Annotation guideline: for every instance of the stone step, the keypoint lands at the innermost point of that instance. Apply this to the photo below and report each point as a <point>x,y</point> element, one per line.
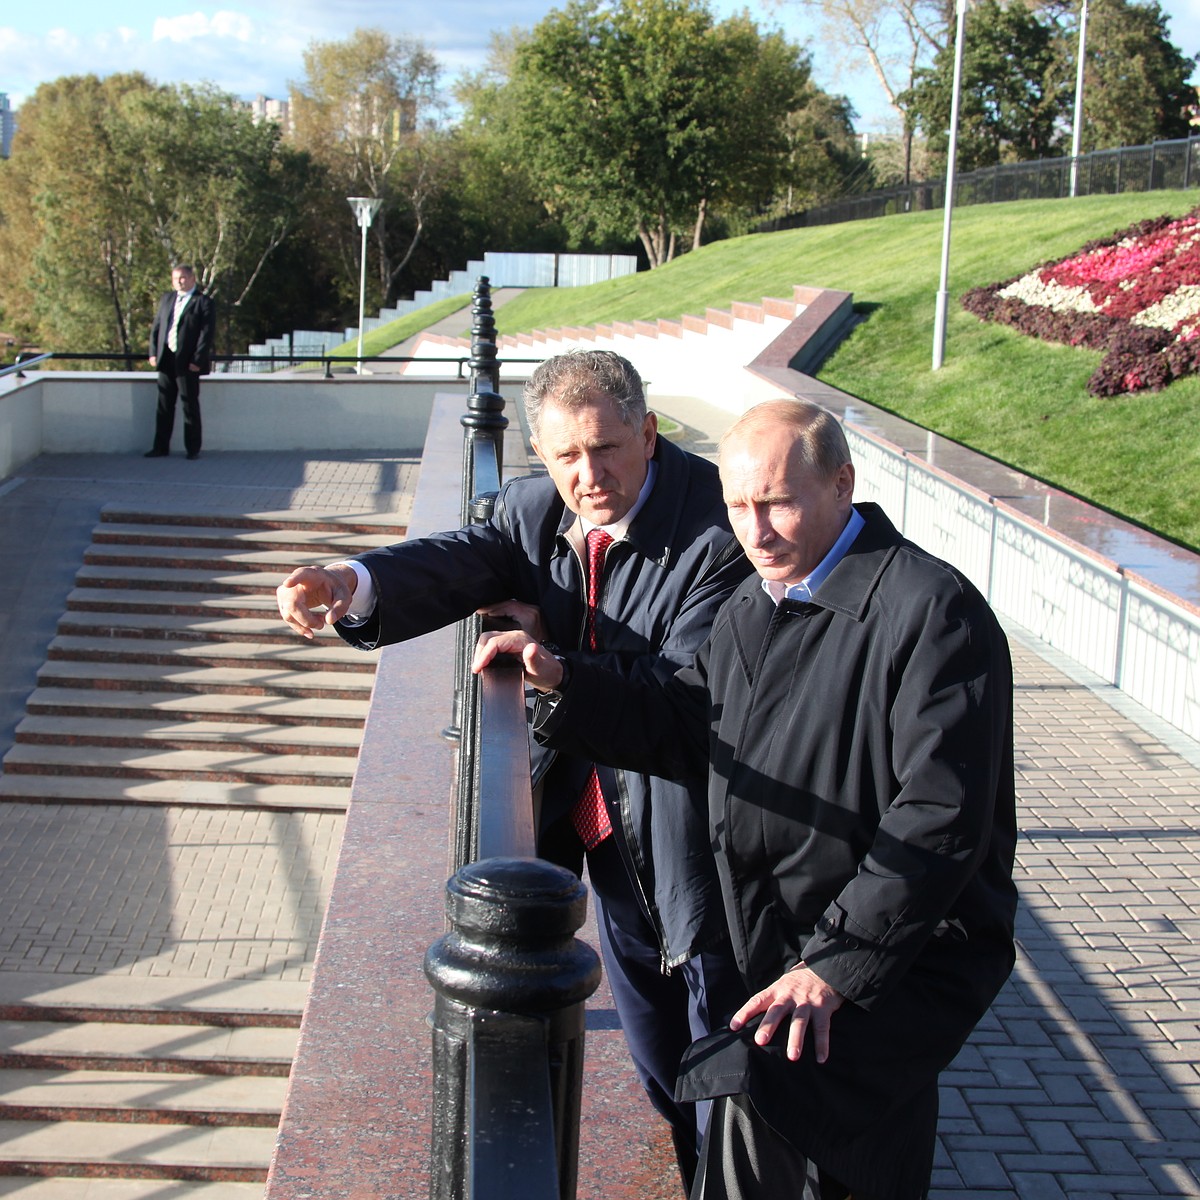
<point>101,1148</point>
<point>160,600</point>
<point>128,1046</point>
<point>179,676</point>
<point>285,520</point>
<point>152,1000</point>
<point>301,541</point>
<point>64,1187</point>
<point>297,655</point>
<point>187,735</point>
<point>261,583</point>
<point>191,558</point>
<point>148,705</point>
<point>18,787</point>
<point>215,766</point>
<point>268,627</point>
<point>51,1094</point>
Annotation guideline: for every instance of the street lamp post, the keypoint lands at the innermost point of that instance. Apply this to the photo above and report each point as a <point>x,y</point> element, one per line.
<point>365,208</point>
<point>1077,126</point>
<point>943,296</point>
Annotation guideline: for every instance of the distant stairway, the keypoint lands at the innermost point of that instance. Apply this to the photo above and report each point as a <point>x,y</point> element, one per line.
<point>172,679</point>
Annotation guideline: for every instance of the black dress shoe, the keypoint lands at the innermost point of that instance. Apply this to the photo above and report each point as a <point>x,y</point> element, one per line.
<point>155,454</point>
<point>195,454</point>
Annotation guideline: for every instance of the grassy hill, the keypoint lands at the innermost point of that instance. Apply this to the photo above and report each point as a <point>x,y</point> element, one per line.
<point>1020,400</point>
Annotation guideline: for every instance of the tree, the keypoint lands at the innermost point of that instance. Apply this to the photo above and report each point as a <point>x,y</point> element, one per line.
<point>1135,88</point>
<point>895,39</point>
<point>1010,106</point>
<point>112,180</point>
<point>76,268</point>
<point>368,110</point>
<point>635,118</point>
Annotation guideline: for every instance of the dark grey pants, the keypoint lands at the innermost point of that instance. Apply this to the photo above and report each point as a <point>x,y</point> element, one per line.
<point>743,1158</point>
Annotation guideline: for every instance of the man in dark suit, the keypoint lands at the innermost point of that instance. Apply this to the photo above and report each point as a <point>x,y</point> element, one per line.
<point>181,346</point>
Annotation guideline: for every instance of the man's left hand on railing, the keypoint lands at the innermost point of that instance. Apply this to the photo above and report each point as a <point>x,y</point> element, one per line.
<point>542,670</point>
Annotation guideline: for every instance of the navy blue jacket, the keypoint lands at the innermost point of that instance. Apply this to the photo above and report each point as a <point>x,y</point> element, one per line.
<point>663,585</point>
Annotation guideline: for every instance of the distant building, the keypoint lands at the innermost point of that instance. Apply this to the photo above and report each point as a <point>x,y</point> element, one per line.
<point>264,108</point>
<point>8,125</point>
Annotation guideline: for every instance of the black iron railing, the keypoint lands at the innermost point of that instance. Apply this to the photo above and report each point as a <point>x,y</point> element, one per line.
<point>510,977</point>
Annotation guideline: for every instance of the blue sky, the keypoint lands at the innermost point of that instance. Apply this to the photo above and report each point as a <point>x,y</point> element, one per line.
<point>254,46</point>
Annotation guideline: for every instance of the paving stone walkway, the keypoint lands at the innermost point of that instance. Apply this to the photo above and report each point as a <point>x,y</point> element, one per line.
<point>1083,1081</point>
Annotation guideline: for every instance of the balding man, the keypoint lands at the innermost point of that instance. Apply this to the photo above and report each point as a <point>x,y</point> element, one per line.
<point>854,706</point>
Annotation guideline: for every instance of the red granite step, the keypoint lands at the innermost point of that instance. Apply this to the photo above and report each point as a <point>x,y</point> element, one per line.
<point>324,654</point>
<point>187,677</point>
<point>169,706</point>
<point>188,734</point>
<point>162,600</point>
<point>208,558</point>
<point>217,766</point>
<point>300,541</point>
<point>268,627</point>
<point>147,1097</point>
<point>262,583</point>
<point>70,788</point>
<point>285,520</point>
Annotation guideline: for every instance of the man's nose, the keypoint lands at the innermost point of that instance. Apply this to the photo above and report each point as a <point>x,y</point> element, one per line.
<point>591,470</point>
<point>759,529</point>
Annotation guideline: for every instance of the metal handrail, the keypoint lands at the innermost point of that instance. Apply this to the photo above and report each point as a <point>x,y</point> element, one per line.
<point>463,362</point>
<point>510,978</point>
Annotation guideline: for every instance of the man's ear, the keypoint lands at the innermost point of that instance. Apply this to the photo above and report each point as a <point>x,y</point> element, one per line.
<point>844,484</point>
<point>650,433</point>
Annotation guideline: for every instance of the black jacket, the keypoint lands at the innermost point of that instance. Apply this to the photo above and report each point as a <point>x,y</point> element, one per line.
<point>663,585</point>
<point>196,335</point>
<point>862,805</point>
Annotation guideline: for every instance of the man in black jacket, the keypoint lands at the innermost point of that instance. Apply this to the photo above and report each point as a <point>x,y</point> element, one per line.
<point>853,706</point>
<point>181,347</point>
<point>669,564</point>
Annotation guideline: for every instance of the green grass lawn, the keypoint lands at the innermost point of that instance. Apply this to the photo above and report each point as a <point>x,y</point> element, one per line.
<point>1020,400</point>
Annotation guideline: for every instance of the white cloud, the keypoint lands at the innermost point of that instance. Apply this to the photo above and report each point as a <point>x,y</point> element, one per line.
<point>192,26</point>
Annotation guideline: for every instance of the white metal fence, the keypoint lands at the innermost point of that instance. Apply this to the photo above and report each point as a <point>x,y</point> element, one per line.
<point>1120,627</point>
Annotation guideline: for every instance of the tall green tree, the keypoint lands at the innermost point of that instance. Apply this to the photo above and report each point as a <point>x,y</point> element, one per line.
<point>1012,98</point>
<point>637,118</point>
<point>368,110</point>
<point>1136,86</point>
<point>110,181</point>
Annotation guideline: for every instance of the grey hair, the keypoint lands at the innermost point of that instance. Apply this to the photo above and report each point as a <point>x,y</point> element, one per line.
<point>573,379</point>
<point>820,437</point>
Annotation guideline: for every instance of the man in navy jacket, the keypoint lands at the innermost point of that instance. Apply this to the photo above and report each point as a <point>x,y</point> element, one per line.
<point>671,564</point>
<point>181,348</point>
<point>853,707</point>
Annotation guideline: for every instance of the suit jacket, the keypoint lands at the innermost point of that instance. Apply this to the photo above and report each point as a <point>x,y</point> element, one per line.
<point>197,331</point>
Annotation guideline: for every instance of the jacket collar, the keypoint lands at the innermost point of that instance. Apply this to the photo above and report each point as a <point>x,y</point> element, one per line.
<point>849,586</point>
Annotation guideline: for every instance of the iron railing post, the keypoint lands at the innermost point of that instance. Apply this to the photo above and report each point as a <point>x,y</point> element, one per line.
<point>509,971</point>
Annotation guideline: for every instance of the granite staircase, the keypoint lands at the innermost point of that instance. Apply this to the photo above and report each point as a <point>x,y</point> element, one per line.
<point>177,1096</point>
<point>172,681</point>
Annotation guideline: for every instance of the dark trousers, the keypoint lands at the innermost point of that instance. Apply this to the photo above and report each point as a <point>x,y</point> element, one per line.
<point>661,1013</point>
<point>745,1159</point>
<point>185,384</point>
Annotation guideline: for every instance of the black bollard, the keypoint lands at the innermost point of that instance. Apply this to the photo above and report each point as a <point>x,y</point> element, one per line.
<point>510,980</point>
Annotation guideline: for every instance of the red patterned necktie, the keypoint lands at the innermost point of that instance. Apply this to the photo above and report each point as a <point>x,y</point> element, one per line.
<point>590,815</point>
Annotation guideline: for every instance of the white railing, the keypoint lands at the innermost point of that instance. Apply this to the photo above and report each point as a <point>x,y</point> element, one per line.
<point>1122,628</point>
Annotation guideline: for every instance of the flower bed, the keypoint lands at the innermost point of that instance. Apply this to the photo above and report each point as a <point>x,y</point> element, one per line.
<point>1135,295</point>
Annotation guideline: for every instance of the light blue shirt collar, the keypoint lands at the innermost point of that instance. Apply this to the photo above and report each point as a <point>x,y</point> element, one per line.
<point>807,587</point>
